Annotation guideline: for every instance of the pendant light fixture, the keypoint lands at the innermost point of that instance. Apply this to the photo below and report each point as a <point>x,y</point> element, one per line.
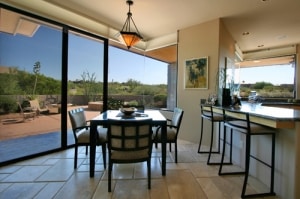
<point>129,36</point>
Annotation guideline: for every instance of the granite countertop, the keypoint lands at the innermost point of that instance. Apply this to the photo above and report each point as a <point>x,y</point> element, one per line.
<point>281,103</point>
<point>274,113</point>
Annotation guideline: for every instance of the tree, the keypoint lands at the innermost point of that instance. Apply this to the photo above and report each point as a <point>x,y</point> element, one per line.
<point>89,85</point>
<point>36,70</point>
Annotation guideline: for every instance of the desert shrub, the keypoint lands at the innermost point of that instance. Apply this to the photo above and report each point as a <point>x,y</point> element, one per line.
<point>114,104</point>
<point>8,105</point>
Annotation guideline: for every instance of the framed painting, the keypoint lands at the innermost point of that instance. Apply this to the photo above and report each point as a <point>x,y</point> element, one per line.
<point>196,73</point>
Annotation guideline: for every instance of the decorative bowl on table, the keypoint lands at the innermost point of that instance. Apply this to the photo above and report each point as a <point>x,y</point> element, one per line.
<point>128,111</point>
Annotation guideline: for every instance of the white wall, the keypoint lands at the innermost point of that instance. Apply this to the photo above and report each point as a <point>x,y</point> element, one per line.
<point>212,40</point>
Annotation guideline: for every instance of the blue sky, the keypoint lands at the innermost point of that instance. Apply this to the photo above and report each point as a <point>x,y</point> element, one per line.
<point>84,56</point>
<point>279,74</point>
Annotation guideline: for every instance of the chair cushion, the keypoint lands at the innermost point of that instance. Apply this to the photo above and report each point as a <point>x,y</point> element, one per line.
<point>171,134</point>
<point>102,134</point>
<point>83,136</point>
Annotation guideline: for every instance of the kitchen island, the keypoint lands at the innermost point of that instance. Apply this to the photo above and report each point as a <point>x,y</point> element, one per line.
<point>287,150</point>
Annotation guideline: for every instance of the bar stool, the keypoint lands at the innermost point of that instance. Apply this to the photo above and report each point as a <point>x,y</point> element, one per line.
<point>241,122</point>
<point>207,113</point>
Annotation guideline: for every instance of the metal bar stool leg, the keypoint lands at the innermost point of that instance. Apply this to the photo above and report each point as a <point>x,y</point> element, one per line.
<point>223,152</point>
<point>272,167</point>
<point>272,164</point>
<point>247,164</point>
<point>230,155</point>
<point>211,143</point>
<point>201,135</point>
<point>212,132</point>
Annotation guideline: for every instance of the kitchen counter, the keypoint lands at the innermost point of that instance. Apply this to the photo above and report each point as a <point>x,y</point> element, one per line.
<point>287,152</point>
<point>290,105</point>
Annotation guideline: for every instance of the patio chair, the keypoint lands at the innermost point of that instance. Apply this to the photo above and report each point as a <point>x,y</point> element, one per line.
<point>81,131</point>
<point>129,141</point>
<point>25,114</point>
<point>35,105</point>
<point>173,127</point>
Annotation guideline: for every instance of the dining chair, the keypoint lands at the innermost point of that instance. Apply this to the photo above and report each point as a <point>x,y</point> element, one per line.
<point>173,127</point>
<point>129,141</point>
<point>81,132</point>
<point>241,122</point>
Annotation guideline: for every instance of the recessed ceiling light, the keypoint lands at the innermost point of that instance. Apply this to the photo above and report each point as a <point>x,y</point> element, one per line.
<point>245,33</point>
<point>259,46</point>
<point>281,37</point>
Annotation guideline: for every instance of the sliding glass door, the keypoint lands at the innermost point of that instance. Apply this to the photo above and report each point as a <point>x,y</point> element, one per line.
<point>85,75</point>
<point>45,70</point>
<point>30,86</point>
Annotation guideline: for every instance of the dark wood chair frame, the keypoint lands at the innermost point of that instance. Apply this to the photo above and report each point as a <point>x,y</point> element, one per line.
<point>174,123</point>
<point>123,138</point>
<point>79,126</point>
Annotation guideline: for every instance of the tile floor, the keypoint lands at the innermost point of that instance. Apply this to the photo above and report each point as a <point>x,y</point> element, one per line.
<point>53,176</point>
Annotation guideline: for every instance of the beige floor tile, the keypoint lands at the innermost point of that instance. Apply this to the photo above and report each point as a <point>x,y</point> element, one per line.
<point>26,174</point>
<point>79,186</point>
<point>61,171</point>
<point>22,190</point>
<point>182,184</point>
<point>53,176</point>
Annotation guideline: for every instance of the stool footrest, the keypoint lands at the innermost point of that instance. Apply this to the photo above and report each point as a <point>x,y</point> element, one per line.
<point>232,173</point>
<point>259,195</point>
<point>209,152</point>
<point>218,163</point>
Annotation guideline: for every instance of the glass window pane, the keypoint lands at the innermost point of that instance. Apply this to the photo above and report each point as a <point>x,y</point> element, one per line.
<point>30,87</point>
<point>136,80</point>
<point>270,82</point>
<point>85,75</point>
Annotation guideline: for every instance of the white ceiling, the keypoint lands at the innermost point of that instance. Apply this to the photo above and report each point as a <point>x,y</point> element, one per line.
<point>271,23</point>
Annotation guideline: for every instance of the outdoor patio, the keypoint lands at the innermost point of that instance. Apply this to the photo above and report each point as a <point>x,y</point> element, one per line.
<point>39,125</point>
<point>34,135</point>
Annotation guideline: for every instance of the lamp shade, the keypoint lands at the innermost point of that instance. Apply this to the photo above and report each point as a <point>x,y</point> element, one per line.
<point>130,38</point>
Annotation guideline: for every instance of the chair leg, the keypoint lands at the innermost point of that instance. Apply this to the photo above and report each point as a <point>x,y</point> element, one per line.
<point>211,143</point>
<point>170,147</point>
<point>219,147</point>
<point>223,152</point>
<point>110,166</point>
<point>271,166</point>
<point>176,152</point>
<point>75,156</point>
<point>247,164</point>
<point>230,156</point>
<point>149,172</point>
<point>104,155</point>
<point>201,135</point>
<point>86,149</point>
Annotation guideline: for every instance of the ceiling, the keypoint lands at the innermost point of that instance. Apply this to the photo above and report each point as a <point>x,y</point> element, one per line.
<point>270,23</point>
